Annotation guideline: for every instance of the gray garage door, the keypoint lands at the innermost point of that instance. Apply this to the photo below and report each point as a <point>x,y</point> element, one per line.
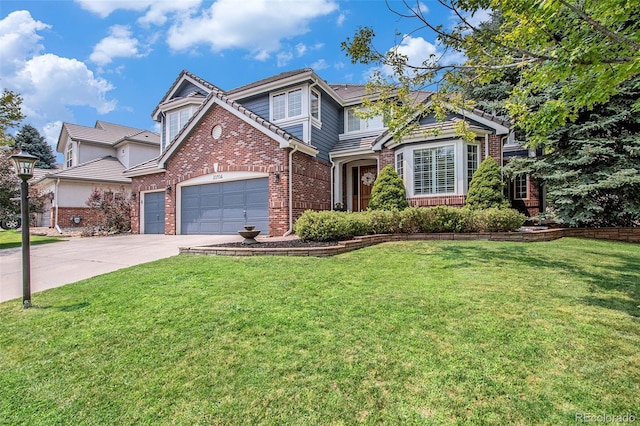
<point>224,208</point>
<point>154,213</point>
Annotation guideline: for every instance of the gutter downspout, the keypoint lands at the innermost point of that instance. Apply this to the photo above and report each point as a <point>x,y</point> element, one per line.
<point>56,200</point>
<point>295,148</point>
<point>486,145</point>
<point>333,168</point>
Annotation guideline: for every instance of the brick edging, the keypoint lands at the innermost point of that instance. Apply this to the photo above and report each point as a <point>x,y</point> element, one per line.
<point>617,234</point>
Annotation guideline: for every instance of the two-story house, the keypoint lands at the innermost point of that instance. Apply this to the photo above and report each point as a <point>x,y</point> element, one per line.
<point>94,158</point>
<point>263,153</point>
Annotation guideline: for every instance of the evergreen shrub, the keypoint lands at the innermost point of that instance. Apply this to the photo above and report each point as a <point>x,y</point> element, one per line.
<point>486,187</point>
<point>388,192</point>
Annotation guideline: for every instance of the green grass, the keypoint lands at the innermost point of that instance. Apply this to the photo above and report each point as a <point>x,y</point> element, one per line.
<point>13,238</point>
<point>399,333</point>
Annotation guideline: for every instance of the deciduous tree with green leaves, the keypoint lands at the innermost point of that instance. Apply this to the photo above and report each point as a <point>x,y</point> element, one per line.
<point>10,114</point>
<point>588,49</point>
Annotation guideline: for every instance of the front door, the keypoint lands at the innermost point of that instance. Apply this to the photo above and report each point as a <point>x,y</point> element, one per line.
<point>367,177</point>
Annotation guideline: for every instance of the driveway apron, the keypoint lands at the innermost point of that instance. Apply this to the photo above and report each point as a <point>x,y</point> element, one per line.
<point>57,264</point>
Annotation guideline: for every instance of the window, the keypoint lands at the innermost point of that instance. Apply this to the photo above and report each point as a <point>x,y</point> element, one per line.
<point>356,124</point>
<point>176,121</point>
<point>434,170</point>
<point>520,187</point>
<point>400,164</point>
<point>69,155</point>
<point>286,105</point>
<point>472,162</point>
<point>315,104</point>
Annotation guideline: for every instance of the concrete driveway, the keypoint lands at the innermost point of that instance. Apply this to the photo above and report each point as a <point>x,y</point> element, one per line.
<point>57,264</point>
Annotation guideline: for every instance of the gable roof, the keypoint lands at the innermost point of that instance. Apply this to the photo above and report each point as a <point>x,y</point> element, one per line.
<point>105,133</point>
<point>105,169</point>
<point>183,78</point>
<point>216,97</point>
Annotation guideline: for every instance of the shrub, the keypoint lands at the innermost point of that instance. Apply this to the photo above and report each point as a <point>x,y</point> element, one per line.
<point>412,220</point>
<point>503,220</point>
<point>329,225</point>
<point>382,221</point>
<point>388,192</point>
<point>112,213</point>
<point>485,189</point>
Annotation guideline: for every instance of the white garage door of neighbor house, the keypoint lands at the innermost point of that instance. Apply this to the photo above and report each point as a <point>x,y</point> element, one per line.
<point>154,213</point>
<point>224,208</point>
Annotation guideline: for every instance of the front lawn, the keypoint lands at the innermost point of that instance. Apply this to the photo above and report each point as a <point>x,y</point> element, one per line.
<point>437,332</point>
<point>13,238</point>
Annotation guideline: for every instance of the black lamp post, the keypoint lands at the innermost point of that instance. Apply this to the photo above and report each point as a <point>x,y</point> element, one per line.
<point>24,164</point>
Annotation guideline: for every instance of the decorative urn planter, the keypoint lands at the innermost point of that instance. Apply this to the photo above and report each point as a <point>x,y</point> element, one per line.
<point>249,234</point>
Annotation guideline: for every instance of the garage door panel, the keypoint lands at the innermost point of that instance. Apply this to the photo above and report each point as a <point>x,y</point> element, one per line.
<point>224,208</point>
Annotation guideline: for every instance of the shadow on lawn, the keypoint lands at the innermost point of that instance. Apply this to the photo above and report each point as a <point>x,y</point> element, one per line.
<point>621,273</point>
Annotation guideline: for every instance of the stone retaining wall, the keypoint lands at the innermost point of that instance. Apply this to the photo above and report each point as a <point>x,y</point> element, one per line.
<point>617,234</point>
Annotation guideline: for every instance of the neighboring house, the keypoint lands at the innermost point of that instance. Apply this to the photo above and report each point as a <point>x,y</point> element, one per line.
<point>263,153</point>
<point>94,158</point>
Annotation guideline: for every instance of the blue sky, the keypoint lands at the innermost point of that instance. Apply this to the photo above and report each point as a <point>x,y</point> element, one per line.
<point>79,61</point>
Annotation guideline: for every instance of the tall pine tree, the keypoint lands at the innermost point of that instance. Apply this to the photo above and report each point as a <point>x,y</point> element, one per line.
<point>592,168</point>
<point>29,139</point>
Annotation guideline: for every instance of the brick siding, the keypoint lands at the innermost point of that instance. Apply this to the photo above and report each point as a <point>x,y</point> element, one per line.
<point>244,148</point>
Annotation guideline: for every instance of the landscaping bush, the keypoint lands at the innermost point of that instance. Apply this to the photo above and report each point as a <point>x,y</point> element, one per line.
<point>388,192</point>
<point>329,225</point>
<point>502,220</point>
<point>382,221</point>
<point>485,189</point>
<point>412,220</point>
<point>111,213</point>
<point>337,225</point>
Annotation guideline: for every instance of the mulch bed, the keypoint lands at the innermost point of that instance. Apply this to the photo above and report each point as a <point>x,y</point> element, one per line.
<point>293,243</point>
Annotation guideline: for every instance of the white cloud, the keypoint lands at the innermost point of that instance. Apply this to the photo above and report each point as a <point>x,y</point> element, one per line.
<point>301,49</point>
<point>51,132</point>
<point>320,64</point>
<point>119,43</point>
<point>480,16</point>
<point>19,40</point>
<point>416,49</point>
<point>341,19</point>
<point>284,58</point>
<point>157,11</point>
<point>49,84</point>
<point>104,8</point>
<point>255,25</point>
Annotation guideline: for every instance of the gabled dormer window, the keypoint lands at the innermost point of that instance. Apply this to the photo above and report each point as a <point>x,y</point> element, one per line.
<point>68,155</point>
<point>357,124</point>
<point>286,105</point>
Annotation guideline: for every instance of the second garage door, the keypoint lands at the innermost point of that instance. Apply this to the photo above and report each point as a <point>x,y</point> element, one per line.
<point>224,208</point>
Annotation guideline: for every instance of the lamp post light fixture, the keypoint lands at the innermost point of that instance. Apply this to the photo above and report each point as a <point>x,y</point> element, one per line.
<point>24,164</point>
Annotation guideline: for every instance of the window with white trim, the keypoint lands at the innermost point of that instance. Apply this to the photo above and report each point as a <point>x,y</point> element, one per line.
<point>357,124</point>
<point>400,164</point>
<point>176,121</point>
<point>520,187</point>
<point>314,106</point>
<point>68,156</point>
<point>286,105</point>
<point>472,162</point>
<point>434,170</point>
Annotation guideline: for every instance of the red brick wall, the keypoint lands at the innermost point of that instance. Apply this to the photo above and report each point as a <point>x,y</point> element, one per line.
<point>241,148</point>
<point>445,200</point>
<point>387,157</point>
<point>65,215</point>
